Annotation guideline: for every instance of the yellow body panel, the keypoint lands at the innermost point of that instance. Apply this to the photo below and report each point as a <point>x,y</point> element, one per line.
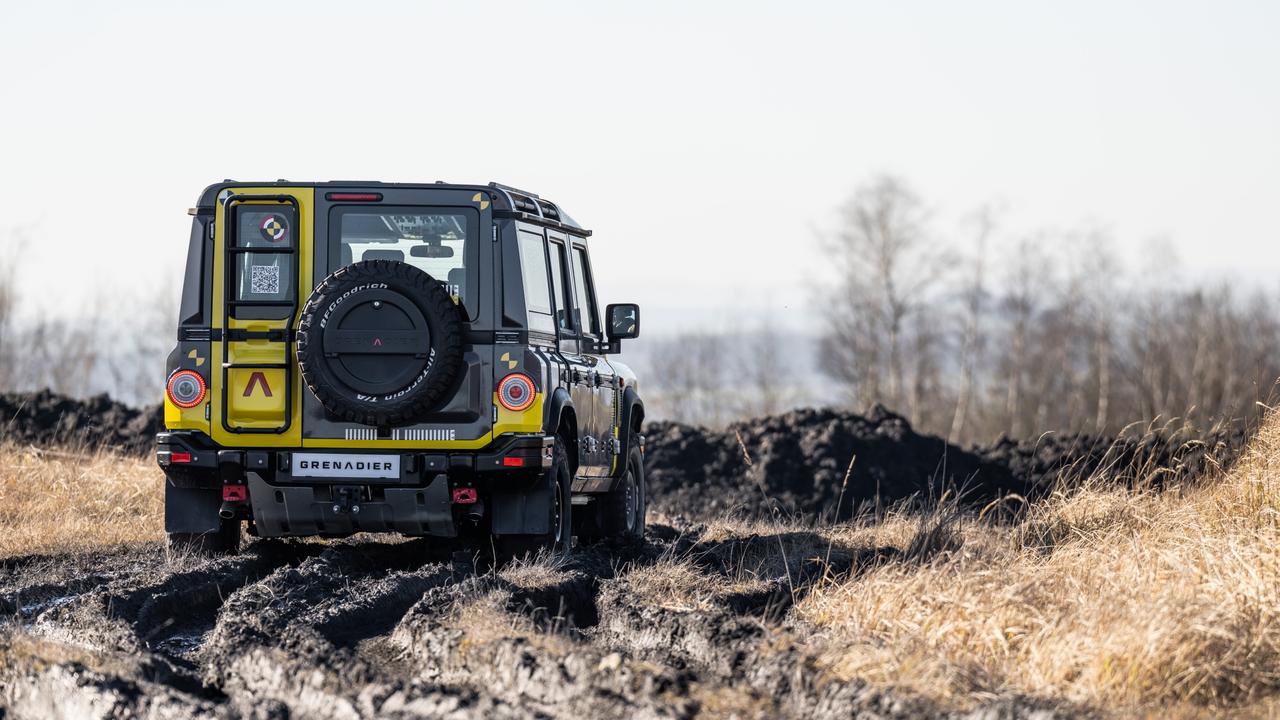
<point>528,420</point>
<point>176,418</point>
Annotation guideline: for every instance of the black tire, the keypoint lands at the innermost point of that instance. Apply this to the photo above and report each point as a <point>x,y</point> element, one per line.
<point>223,541</point>
<point>559,542</point>
<point>400,310</point>
<point>620,514</point>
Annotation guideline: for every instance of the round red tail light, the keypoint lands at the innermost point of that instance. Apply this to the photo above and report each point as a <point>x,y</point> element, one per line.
<point>516,392</point>
<point>186,388</point>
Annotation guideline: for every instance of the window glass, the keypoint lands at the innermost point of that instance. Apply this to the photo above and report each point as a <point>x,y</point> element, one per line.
<point>533,265</point>
<point>563,318</point>
<point>586,295</point>
<point>261,276</point>
<point>434,242</point>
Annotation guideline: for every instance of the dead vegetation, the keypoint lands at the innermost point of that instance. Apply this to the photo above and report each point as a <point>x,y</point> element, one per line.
<point>1110,598</point>
<point>1099,600</point>
<point>57,501</point>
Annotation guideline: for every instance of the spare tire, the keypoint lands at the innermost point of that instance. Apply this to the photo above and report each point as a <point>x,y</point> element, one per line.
<point>380,343</point>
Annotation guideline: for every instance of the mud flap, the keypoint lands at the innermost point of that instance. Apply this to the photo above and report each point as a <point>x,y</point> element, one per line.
<point>191,510</point>
<point>523,512</point>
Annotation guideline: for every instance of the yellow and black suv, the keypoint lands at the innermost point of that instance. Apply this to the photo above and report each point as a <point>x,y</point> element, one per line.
<point>421,359</point>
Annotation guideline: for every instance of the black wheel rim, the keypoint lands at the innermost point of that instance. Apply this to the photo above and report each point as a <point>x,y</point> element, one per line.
<point>557,517</point>
<point>631,500</point>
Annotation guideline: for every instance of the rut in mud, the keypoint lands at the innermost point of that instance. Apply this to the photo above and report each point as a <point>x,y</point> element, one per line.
<point>362,628</point>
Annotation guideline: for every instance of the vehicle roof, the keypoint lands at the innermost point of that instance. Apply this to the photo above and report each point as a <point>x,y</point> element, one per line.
<point>506,199</point>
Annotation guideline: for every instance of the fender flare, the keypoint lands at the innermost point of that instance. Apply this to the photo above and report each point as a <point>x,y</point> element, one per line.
<point>561,404</point>
<point>632,415</point>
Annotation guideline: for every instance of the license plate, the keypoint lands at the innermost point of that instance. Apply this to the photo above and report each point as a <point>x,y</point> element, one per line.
<point>333,465</point>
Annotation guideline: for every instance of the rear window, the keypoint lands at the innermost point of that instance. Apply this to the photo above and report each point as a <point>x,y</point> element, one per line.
<point>434,241</point>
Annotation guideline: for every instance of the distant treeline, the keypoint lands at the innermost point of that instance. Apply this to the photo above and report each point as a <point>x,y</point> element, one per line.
<point>972,334</point>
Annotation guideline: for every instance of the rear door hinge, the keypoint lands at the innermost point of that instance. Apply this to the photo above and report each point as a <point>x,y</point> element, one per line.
<point>494,228</point>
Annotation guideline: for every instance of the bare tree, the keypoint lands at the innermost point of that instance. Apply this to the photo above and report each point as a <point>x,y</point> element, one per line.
<point>972,296</point>
<point>768,380</point>
<point>888,265</point>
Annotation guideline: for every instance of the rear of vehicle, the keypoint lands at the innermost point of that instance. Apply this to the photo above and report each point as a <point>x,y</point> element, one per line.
<point>347,361</point>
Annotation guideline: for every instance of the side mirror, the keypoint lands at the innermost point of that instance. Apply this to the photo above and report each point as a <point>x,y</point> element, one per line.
<point>623,321</point>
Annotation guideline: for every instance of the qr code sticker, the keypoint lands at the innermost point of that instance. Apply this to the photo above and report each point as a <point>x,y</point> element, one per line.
<point>264,279</point>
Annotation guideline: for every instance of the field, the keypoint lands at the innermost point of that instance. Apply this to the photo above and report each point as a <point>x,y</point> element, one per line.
<point>1103,601</point>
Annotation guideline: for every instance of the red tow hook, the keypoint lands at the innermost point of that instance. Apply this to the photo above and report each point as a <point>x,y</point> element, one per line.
<point>464,496</point>
<point>232,497</point>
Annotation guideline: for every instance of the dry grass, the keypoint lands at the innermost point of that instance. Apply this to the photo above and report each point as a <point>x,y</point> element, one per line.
<point>1128,601</point>
<point>69,501</point>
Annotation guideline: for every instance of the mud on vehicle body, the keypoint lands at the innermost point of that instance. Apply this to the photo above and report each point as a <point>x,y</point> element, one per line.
<point>421,359</point>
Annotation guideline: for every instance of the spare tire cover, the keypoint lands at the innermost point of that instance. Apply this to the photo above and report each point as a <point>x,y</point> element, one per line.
<point>380,343</point>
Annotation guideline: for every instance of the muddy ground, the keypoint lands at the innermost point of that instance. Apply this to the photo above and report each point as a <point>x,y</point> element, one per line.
<point>364,628</point>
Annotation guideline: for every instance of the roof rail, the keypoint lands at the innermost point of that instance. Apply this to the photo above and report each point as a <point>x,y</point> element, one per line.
<point>515,190</point>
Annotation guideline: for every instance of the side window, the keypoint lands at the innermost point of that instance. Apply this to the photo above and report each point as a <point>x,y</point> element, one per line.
<point>537,290</point>
<point>564,319</point>
<point>586,305</point>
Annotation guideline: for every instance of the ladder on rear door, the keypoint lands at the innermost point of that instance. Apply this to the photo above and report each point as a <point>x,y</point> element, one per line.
<point>230,301</point>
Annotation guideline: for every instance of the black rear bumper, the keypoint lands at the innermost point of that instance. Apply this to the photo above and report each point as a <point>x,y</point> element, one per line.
<point>417,502</point>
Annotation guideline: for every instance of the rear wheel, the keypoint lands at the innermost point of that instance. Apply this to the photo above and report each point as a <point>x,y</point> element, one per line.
<point>559,539</point>
<point>223,541</point>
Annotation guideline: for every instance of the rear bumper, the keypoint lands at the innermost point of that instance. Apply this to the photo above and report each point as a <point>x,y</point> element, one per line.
<point>417,502</point>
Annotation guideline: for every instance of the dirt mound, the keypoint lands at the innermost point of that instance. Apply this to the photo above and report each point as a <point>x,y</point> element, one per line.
<point>46,418</point>
<point>1155,458</point>
<point>796,463</point>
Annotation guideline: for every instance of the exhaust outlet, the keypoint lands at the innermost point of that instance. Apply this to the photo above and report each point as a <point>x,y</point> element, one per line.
<point>227,511</point>
<point>475,513</point>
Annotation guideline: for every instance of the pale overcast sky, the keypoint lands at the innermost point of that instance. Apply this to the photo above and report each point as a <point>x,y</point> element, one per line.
<point>703,142</point>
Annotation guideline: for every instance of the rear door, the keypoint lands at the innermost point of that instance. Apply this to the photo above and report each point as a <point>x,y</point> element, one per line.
<point>448,234</point>
<point>581,366</point>
<point>261,260</point>
<point>601,378</point>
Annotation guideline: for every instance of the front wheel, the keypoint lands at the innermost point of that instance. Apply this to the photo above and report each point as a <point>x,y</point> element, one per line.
<point>620,514</point>
<point>558,541</point>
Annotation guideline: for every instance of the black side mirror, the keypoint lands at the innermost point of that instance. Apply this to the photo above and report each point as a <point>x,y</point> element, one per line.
<point>623,321</point>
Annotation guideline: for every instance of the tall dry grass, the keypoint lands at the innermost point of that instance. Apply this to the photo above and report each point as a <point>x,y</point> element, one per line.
<point>73,500</point>
<point>1110,598</point>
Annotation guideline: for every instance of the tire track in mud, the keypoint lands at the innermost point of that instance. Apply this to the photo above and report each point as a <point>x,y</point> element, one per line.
<point>360,629</point>
<point>289,638</point>
<point>95,645</point>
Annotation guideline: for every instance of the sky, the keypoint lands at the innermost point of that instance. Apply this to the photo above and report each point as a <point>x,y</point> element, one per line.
<point>708,145</point>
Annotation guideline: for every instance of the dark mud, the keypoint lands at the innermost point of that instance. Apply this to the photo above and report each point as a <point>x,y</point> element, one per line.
<point>825,464</point>
<point>46,418</point>
<point>363,629</point>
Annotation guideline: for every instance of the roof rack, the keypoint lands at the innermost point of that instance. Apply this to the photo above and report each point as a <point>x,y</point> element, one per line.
<point>525,202</point>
